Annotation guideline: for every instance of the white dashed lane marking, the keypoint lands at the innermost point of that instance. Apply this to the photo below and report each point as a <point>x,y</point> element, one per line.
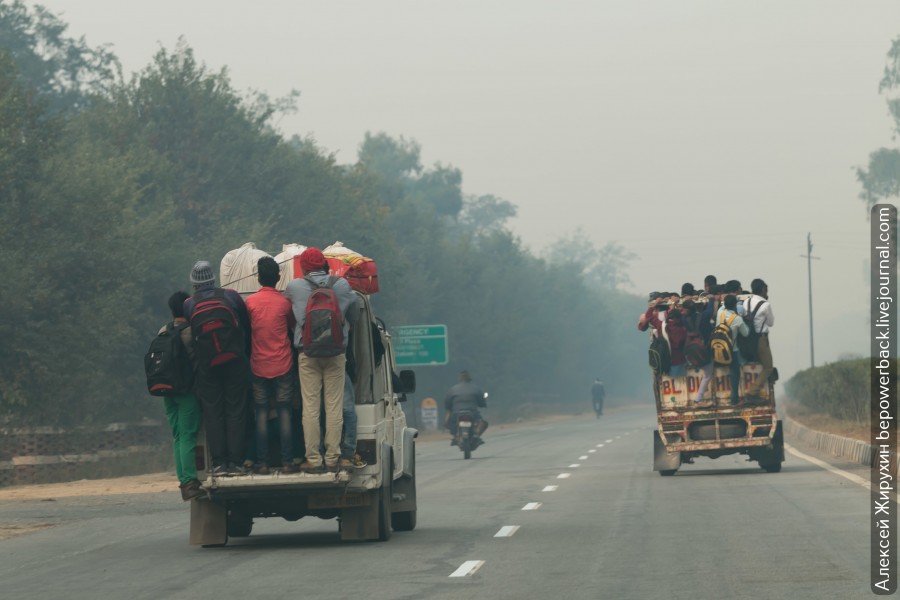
<point>507,531</point>
<point>550,488</point>
<point>574,466</point>
<point>592,450</point>
<point>532,506</point>
<point>563,475</point>
<point>609,441</point>
<point>584,457</point>
<point>467,568</point>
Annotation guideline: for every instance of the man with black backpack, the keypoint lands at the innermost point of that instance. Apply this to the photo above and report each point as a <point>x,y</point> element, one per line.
<point>322,306</point>
<point>220,329</point>
<point>761,317</point>
<point>173,379</point>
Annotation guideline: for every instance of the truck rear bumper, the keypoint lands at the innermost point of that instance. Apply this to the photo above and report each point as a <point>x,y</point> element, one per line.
<point>718,445</point>
<point>254,484</point>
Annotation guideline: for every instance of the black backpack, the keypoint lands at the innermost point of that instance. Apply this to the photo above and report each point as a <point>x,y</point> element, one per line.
<point>660,356</point>
<point>696,350</point>
<point>218,339</point>
<point>167,364</point>
<point>749,344</point>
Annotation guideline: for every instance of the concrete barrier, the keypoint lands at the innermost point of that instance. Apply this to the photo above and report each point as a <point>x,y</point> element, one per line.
<point>850,449</point>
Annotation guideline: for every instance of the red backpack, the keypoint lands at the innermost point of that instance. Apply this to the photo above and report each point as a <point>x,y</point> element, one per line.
<point>218,338</point>
<point>323,327</point>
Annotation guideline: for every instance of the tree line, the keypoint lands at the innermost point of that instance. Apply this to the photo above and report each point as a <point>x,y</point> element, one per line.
<point>111,186</point>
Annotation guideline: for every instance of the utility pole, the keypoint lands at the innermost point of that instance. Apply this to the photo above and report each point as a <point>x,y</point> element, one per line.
<point>808,256</point>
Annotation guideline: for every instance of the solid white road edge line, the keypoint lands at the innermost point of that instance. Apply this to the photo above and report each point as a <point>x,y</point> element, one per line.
<point>532,506</point>
<point>507,531</point>
<point>550,488</point>
<point>847,475</point>
<point>467,568</point>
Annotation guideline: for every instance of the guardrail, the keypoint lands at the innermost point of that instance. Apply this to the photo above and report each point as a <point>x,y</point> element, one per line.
<point>853,450</point>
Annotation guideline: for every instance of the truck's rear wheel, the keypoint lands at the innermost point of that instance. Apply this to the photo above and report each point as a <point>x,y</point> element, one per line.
<point>239,523</point>
<point>668,472</point>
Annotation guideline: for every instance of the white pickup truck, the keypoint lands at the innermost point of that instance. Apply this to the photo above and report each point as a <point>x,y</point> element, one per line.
<point>368,502</point>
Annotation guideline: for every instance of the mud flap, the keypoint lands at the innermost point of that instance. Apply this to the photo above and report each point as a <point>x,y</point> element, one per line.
<point>208,523</point>
<point>664,462</point>
<point>366,522</point>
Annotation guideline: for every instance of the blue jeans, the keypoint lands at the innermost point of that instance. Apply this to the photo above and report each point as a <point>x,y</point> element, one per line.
<point>281,389</point>
<point>736,362</point>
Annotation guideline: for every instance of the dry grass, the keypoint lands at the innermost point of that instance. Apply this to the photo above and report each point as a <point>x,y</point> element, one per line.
<point>820,422</point>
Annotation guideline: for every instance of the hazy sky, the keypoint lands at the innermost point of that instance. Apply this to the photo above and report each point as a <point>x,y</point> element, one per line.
<point>706,137</point>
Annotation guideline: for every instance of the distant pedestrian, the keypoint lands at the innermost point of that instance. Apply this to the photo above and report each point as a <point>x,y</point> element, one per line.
<point>598,393</point>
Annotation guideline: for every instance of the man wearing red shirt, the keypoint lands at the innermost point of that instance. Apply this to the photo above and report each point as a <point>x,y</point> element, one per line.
<point>271,362</point>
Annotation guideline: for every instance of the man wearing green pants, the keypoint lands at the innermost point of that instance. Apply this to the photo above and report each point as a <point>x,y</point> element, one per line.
<point>183,412</point>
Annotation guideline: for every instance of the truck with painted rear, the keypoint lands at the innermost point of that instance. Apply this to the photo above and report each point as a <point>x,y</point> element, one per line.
<point>713,426</point>
<point>368,502</point>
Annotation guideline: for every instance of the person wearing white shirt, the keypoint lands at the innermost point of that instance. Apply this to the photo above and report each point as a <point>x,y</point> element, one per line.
<point>763,320</point>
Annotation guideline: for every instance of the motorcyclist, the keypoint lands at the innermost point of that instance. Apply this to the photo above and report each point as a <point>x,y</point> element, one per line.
<point>465,395</point>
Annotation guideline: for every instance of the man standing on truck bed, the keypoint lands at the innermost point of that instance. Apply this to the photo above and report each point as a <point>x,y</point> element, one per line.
<point>764,319</point>
<point>221,330</point>
<point>271,364</point>
<point>322,306</point>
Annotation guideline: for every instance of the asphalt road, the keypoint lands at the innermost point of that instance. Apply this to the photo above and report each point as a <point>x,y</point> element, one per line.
<point>566,510</point>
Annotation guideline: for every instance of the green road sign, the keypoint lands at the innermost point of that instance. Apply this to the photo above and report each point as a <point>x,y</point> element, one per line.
<point>420,345</point>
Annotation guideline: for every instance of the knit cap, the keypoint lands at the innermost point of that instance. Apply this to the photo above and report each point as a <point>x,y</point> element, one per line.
<point>311,260</point>
<point>202,275</point>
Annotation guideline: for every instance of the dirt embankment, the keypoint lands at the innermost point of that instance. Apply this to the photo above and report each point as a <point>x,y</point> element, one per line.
<point>154,483</point>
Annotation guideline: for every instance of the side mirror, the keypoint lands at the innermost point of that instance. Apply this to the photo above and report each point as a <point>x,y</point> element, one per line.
<point>406,383</point>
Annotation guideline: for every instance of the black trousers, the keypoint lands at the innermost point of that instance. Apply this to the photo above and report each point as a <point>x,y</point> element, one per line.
<point>222,392</point>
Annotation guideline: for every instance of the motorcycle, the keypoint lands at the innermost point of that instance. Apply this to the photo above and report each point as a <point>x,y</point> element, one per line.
<point>467,435</point>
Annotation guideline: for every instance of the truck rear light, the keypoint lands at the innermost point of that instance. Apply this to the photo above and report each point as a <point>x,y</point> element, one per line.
<point>200,457</point>
<point>366,449</point>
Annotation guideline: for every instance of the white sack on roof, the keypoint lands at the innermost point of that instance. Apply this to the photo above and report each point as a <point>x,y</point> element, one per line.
<point>285,260</point>
<point>237,271</point>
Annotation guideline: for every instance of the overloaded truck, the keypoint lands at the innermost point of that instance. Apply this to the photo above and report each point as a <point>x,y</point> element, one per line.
<point>713,426</point>
<point>368,502</point>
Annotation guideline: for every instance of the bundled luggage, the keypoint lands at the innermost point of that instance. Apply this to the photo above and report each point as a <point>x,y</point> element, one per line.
<point>238,268</point>
<point>360,271</point>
